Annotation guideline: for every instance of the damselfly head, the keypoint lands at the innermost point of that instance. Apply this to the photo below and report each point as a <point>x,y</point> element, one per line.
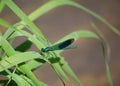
<point>45,49</point>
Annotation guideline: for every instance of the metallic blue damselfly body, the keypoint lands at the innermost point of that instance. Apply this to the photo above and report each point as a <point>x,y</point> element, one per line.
<point>60,46</point>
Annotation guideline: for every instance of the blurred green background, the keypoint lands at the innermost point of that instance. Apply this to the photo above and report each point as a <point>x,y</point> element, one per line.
<point>87,60</point>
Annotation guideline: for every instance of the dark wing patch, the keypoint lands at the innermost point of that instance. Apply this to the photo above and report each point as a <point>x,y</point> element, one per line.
<point>65,43</point>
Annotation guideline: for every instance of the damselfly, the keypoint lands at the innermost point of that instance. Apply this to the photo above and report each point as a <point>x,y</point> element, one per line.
<point>60,46</point>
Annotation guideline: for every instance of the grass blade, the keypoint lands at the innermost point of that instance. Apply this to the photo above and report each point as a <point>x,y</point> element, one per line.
<point>17,59</point>
<point>19,80</point>
<point>23,17</point>
<point>106,52</point>
<point>26,70</point>
<point>7,47</point>
<point>77,35</point>
<point>72,3</point>
<point>2,5</point>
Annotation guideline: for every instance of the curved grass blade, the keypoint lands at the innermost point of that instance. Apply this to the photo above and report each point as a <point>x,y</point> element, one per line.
<point>60,72</point>
<point>83,34</point>
<point>34,15</point>
<point>28,80</point>
<point>17,59</point>
<point>76,35</point>
<point>2,5</point>
<point>14,77</point>
<point>14,57</point>
<point>7,47</point>
<point>106,52</point>
<point>55,3</point>
<point>19,80</point>
<point>34,63</point>
<point>23,17</point>
<point>0,34</point>
<point>72,3</point>
<point>30,37</point>
<point>5,24</point>
<point>26,70</point>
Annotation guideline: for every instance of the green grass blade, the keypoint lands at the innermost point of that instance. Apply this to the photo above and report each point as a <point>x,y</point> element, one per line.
<point>34,64</point>
<point>19,80</point>
<point>2,5</point>
<point>28,80</point>
<point>81,34</point>
<point>60,71</point>
<point>34,15</point>
<point>0,34</point>
<point>18,58</point>
<point>32,38</point>
<point>76,35</point>
<point>23,17</point>
<point>105,50</point>
<point>55,3</point>
<point>5,24</point>
<point>69,71</point>
<point>9,32</point>
<point>26,68</point>
<point>15,60</point>
<point>31,75</point>
<point>52,4</point>
<point>72,3</point>
<point>45,8</point>
<point>7,47</point>
<point>8,74</point>
<point>14,77</point>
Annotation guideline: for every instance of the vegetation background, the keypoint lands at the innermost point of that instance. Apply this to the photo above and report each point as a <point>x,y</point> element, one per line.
<point>87,60</point>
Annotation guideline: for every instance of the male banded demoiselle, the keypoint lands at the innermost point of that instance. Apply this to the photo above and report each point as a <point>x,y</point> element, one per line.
<point>60,46</point>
